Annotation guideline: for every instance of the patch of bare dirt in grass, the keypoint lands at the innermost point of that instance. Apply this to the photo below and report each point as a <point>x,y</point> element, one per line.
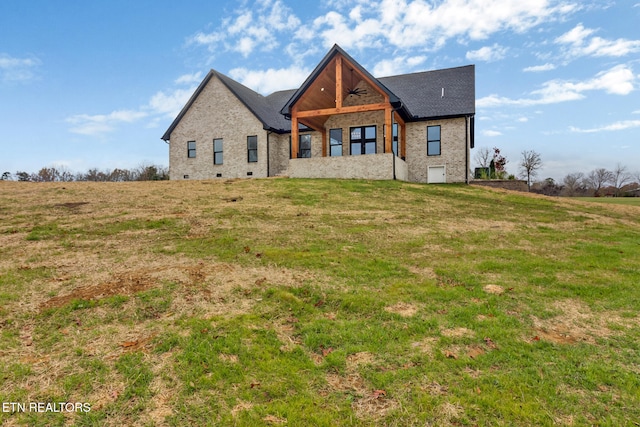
<point>493,289</point>
<point>368,403</point>
<point>285,331</point>
<point>403,309</point>
<point>358,359</point>
<point>376,405</point>
<point>240,407</point>
<point>458,333</point>
<point>424,272</point>
<point>425,345</point>
<point>476,224</point>
<point>447,413</point>
<point>122,284</point>
<point>215,288</point>
<point>578,323</point>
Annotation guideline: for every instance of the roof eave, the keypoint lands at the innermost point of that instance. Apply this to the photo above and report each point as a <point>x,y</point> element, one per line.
<point>286,110</point>
<point>186,107</point>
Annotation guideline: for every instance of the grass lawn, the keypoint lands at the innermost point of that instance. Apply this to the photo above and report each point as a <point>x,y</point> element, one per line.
<point>316,302</point>
<point>629,201</point>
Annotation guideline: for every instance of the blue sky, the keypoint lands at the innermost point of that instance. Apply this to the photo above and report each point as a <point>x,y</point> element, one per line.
<point>88,84</point>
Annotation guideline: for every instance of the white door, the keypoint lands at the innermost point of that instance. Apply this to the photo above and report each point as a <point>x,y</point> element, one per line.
<point>436,175</point>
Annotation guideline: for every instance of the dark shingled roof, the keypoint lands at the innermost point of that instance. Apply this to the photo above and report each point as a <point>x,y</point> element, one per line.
<point>420,96</point>
<point>422,93</point>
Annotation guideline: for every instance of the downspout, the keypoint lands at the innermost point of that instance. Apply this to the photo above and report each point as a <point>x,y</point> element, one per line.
<point>466,149</point>
<point>268,162</point>
<point>393,156</point>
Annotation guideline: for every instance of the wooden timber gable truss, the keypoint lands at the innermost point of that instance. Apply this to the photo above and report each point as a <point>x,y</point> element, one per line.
<point>324,94</point>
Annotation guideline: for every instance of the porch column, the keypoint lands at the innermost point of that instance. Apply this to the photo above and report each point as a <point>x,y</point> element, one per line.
<point>402,136</point>
<point>294,135</point>
<point>324,142</point>
<point>388,130</point>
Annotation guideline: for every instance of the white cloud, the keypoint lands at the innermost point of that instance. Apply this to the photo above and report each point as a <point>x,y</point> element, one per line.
<point>162,105</point>
<point>271,80</point>
<point>428,25</point>
<point>576,36</point>
<point>621,125</point>
<point>539,68</point>
<point>254,27</point>
<point>619,80</point>
<point>17,69</point>
<point>579,44</point>
<point>397,65</point>
<point>189,78</point>
<point>360,24</point>
<point>85,124</point>
<point>487,53</point>
<point>491,133</point>
<point>169,104</point>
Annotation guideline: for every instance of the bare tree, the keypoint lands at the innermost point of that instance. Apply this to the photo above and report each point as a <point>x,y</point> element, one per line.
<point>620,177</point>
<point>598,178</point>
<point>530,163</point>
<point>573,184</point>
<point>483,157</point>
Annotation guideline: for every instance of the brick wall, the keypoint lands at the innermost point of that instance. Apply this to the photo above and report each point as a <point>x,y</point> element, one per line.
<point>453,149</point>
<point>216,113</point>
<point>372,166</point>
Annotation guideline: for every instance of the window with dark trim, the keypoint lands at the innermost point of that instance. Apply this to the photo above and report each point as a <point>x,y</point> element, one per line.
<point>217,151</point>
<point>362,140</point>
<point>433,140</point>
<point>335,142</point>
<point>304,147</point>
<point>252,149</point>
<point>191,149</point>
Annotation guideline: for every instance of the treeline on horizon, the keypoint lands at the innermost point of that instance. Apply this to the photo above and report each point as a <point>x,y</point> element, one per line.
<point>599,182</point>
<point>143,172</point>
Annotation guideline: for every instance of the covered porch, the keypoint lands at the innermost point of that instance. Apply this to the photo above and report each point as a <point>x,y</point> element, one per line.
<point>340,88</point>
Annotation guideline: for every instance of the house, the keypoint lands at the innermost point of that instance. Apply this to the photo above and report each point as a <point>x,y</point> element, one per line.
<point>341,123</point>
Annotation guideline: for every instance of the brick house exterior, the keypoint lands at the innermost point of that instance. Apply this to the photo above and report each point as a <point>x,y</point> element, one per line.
<point>341,123</point>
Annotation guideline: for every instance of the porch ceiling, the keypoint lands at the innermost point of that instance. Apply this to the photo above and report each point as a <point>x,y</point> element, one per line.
<point>324,96</point>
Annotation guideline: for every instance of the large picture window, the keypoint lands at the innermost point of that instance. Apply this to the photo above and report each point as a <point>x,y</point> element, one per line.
<point>433,140</point>
<point>304,147</point>
<point>363,140</point>
<point>217,151</point>
<point>335,142</point>
<point>191,149</point>
<point>252,149</point>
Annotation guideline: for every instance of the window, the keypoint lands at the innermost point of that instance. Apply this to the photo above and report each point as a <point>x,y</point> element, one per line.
<point>191,149</point>
<point>252,149</point>
<point>433,140</point>
<point>217,151</point>
<point>304,148</point>
<point>363,140</point>
<point>335,142</point>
